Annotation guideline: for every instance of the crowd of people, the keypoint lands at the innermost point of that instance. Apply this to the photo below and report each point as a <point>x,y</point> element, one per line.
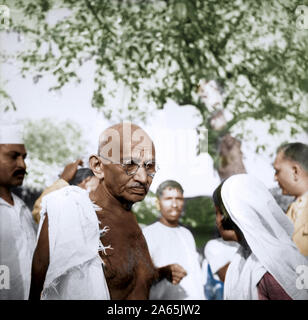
<point>82,241</point>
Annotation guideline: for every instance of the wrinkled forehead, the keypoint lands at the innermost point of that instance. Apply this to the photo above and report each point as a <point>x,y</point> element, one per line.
<point>126,143</point>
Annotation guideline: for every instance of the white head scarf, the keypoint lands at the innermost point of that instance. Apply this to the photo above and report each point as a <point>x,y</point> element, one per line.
<point>268,232</point>
<point>11,134</point>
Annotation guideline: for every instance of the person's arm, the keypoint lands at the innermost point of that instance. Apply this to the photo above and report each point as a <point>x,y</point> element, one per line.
<point>40,263</point>
<point>270,289</point>
<point>300,235</point>
<point>172,272</point>
<point>222,272</point>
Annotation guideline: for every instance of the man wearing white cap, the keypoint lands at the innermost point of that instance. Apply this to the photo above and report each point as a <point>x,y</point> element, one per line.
<point>17,228</point>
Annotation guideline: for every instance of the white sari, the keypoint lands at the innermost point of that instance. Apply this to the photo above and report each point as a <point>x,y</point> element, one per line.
<point>268,233</point>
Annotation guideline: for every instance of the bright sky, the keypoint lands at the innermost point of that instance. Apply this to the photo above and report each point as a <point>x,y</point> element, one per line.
<point>172,129</point>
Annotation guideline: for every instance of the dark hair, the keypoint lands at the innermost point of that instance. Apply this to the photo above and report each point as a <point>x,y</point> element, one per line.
<point>168,183</point>
<point>296,151</point>
<point>80,175</point>
<point>227,223</point>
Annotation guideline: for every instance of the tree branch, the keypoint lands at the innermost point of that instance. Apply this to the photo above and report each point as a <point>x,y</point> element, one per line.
<point>222,44</point>
<point>90,7</point>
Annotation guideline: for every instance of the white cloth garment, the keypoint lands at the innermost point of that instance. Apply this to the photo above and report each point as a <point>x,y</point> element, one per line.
<point>17,243</point>
<point>11,134</point>
<point>174,245</point>
<point>75,270</point>
<point>218,253</point>
<point>268,232</point>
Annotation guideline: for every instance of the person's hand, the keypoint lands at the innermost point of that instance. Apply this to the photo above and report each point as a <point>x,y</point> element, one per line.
<point>70,170</point>
<point>177,273</point>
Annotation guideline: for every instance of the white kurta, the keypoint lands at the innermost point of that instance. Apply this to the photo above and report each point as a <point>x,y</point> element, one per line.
<point>17,243</point>
<point>219,253</point>
<point>175,245</point>
<point>75,269</point>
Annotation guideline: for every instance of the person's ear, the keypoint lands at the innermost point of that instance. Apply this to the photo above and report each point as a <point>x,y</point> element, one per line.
<point>296,170</point>
<point>96,166</point>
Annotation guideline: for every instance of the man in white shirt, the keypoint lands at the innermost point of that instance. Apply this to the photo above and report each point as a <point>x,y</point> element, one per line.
<point>168,242</point>
<point>17,228</point>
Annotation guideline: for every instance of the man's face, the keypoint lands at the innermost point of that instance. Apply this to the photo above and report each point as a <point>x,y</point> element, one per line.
<point>284,174</point>
<point>12,164</point>
<point>130,188</point>
<point>171,205</point>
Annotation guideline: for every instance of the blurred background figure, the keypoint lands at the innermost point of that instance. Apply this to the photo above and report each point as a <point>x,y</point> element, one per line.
<point>85,178</point>
<point>218,255</point>
<point>291,173</point>
<point>168,242</point>
<point>71,175</point>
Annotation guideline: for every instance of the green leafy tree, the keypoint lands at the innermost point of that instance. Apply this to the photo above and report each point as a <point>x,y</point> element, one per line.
<point>257,50</point>
<point>6,101</point>
<point>50,146</point>
<point>146,210</point>
<point>162,49</point>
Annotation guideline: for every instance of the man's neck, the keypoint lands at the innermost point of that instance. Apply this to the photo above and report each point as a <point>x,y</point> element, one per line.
<point>302,189</point>
<point>169,224</point>
<point>102,195</point>
<point>305,191</point>
<point>6,195</point>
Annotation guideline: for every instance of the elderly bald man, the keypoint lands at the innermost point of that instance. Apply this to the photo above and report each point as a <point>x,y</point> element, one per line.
<point>125,165</point>
<point>17,228</point>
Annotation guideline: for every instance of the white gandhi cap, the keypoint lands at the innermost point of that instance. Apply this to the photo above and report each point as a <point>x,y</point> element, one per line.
<point>11,134</point>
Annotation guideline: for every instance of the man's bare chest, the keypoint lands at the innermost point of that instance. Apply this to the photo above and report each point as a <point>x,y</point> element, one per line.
<point>127,261</point>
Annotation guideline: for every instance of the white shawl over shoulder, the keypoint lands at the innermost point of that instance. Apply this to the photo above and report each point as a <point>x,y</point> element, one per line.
<point>75,270</point>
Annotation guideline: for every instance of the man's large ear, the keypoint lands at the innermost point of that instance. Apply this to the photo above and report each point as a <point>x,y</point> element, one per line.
<point>296,170</point>
<point>96,166</point>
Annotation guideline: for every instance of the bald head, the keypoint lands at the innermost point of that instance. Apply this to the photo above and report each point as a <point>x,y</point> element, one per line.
<point>125,163</point>
<point>125,141</point>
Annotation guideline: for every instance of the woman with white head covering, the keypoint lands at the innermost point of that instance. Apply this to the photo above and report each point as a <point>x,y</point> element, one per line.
<point>265,265</point>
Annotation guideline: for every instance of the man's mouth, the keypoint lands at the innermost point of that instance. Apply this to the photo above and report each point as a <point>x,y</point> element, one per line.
<point>138,190</point>
<point>19,175</point>
<point>174,213</point>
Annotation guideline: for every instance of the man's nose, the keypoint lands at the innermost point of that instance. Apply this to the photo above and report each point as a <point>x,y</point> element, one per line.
<point>21,162</point>
<point>141,175</point>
